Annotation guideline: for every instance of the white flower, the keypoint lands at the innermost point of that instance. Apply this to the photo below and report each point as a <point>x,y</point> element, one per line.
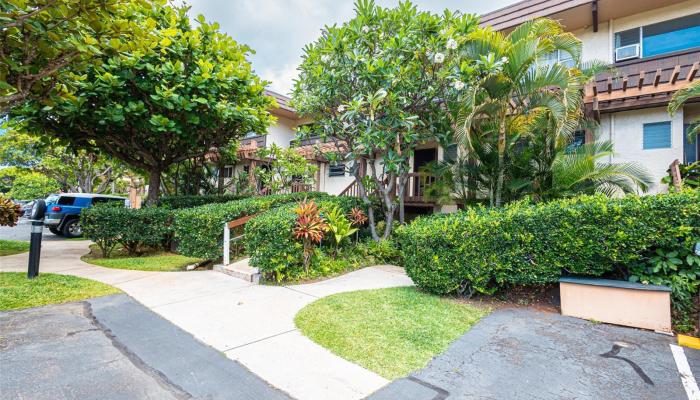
<point>443,31</point>
<point>451,44</point>
<point>459,85</point>
<point>365,29</point>
<point>341,108</point>
<point>439,58</point>
<point>504,60</point>
<point>325,58</point>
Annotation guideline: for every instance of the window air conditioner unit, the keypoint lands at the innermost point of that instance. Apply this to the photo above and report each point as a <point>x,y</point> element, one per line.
<point>627,52</point>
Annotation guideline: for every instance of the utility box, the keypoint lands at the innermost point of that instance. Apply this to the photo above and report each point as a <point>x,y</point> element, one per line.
<point>617,302</point>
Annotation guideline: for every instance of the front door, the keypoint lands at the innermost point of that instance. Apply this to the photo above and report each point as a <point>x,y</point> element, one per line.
<point>421,158</point>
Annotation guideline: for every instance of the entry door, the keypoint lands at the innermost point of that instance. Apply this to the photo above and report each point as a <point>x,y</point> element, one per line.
<point>417,184</point>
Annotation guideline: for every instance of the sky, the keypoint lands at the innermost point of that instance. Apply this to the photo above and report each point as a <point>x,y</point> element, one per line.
<point>279,29</point>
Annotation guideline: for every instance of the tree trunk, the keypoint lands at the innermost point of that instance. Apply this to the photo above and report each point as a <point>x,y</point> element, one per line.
<point>220,177</point>
<point>501,161</point>
<point>153,187</point>
<point>403,178</point>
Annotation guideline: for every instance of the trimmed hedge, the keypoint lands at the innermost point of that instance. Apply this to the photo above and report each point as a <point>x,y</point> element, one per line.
<point>521,244</point>
<point>132,228</point>
<point>271,245</point>
<point>177,202</point>
<point>199,230</point>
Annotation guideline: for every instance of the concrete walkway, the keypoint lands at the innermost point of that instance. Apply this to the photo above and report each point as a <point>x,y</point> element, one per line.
<point>250,323</point>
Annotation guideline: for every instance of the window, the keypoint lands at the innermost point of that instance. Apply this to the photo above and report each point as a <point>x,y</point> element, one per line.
<point>336,170</point>
<point>557,56</point>
<point>657,39</point>
<point>101,200</point>
<point>450,154</point>
<point>250,135</point>
<point>65,201</point>
<point>669,36</point>
<point>578,140</point>
<point>227,172</point>
<point>691,149</point>
<point>657,135</point>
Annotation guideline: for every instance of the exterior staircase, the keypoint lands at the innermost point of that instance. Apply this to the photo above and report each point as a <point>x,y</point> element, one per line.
<point>241,270</point>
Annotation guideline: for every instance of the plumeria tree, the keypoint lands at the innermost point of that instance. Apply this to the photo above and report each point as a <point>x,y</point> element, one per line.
<point>189,90</point>
<point>376,86</point>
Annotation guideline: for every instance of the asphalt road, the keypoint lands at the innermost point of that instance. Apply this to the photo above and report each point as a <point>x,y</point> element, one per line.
<point>526,354</point>
<point>113,348</point>
<point>22,231</point>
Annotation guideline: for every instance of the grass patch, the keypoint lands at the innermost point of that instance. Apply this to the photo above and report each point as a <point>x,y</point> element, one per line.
<point>149,261</point>
<point>389,331</point>
<point>10,247</point>
<point>16,291</point>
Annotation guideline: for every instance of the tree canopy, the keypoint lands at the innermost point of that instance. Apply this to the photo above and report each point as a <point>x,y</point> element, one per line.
<point>185,91</point>
<point>376,86</point>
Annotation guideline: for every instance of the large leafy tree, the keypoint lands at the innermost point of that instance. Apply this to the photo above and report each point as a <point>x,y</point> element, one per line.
<point>39,39</point>
<point>518,99</point>
<point>191,91</point>
<point>376,86</point>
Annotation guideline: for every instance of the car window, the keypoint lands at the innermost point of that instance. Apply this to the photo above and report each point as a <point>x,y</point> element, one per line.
<point>99,200</point>
<point>66,201</point>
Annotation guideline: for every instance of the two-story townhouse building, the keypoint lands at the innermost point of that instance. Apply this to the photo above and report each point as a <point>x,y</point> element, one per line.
<point>654,47</point>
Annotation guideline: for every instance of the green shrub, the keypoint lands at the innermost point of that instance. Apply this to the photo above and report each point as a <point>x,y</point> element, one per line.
<point>177,202</point>
<point>199,230</point>
<point>132,228</point>
<point>273,249</point>
<point>487,249</point>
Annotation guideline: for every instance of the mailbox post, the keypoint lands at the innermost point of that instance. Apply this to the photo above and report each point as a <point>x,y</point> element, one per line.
<point>37,218</point>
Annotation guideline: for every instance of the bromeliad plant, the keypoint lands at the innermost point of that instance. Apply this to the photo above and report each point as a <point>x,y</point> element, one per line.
<point>339,225</point>
<point>310,228</point>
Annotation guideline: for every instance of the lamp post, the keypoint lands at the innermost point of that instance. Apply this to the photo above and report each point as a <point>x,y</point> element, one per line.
<point>37,218</point>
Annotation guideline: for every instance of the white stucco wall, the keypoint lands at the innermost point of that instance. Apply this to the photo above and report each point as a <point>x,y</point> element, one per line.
<point>282,132</point>
<point>625,130</point>
<point>599,45</point>
<point>333,184</point>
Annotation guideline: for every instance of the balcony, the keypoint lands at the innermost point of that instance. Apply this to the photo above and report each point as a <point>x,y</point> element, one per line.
<point>642,83</point>
<point>414,192</point>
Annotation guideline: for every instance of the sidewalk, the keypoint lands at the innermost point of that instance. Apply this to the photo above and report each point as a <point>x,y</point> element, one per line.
<point>250,323</point>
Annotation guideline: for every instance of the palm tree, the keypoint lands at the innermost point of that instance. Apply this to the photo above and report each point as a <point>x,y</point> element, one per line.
<point>679,98</point>
<point>581,171</point>
<point>516,97</point>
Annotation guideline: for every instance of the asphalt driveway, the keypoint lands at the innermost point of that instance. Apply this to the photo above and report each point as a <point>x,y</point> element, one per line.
<point>22,231</point>
<point>526,354</point>
<point>113,348</point>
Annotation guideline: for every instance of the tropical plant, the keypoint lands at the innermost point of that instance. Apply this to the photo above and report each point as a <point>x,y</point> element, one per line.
<point>357,216</point>
<point>583,171</point>
<point>518,98</point>
<point>192,89</point>
<point>376,86</point>
<point>9,212</point>
<point>339,225</point>
<point>690,175</point>
<point>679,98</point>
<point>310,228</point>
<point>283,168</point>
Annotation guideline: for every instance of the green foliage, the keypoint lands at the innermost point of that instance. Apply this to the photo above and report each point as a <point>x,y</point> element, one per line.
<point>360,82</point>
<point>199,230</point>
<point>338,224</point>
<point>10,247</point>
<point>152,260</point>
<point>681,97</point>
<point>134,229</point>
<point>177,202</point>
<point>285,167</point>
<point>273,248</point>
<point>32,185</point>
<point>483,250</point>
<point>9,212</point>
<point>690,175</point>
<point>40,39</point>
<point>190,89</point>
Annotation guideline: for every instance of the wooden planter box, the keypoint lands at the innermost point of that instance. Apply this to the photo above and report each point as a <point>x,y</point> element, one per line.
<point>617,302</point>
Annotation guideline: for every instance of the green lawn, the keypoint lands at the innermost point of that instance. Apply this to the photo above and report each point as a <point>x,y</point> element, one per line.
<point>154,261</point>
<point>389,331</point>
<point>16,291</point>
<point>9,247</point>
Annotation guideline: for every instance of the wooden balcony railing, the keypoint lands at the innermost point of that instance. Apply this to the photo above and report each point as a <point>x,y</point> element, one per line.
<point>642,83</point>
<point>414,192</point>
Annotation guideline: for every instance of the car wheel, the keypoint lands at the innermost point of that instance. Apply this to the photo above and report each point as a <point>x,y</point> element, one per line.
<point>72,229</point>
<point>55,231</point>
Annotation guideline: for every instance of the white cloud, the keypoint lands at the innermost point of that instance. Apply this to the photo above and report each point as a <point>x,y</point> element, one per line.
<point>279,29</point>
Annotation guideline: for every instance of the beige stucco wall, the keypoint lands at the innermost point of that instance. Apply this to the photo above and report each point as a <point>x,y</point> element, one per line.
<point>625,130</point>
<point>282,132</point>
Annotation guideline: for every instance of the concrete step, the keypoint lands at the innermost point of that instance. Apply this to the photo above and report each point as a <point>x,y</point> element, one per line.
<point>241,270</point>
